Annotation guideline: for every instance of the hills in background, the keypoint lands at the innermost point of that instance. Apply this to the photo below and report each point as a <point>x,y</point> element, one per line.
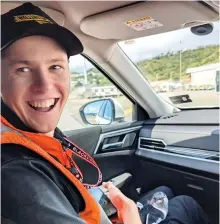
<point>167,67</point>
<point>163,67</point>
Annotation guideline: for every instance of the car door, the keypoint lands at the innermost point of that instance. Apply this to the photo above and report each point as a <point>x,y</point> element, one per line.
<point>87,120</point>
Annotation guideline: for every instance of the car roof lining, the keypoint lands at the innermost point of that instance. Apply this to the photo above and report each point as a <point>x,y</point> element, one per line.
<point>99,43</point>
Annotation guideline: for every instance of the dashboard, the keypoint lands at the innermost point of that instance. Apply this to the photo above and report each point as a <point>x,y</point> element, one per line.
<point>189,139</point>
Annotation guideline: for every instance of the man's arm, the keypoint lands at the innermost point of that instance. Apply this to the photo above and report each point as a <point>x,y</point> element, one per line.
<point>127,209</point>
<point>29,195</point>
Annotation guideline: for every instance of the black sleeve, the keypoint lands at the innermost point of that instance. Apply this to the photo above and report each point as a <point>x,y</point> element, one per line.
<point>30,196</point>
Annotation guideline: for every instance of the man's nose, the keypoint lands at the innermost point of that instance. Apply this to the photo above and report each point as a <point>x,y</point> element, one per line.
<point>42,82</point>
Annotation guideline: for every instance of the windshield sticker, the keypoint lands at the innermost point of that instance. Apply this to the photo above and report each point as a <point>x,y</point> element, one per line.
<point>144,23</point>
<point>180,99</point>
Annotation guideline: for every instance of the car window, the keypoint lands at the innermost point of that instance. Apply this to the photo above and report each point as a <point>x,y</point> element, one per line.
<point>182,67</point>
<point>88,85</point>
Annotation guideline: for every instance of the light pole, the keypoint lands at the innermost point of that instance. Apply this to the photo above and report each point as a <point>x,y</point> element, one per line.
<point>180,65</point>
<point>180,75</point>
<point>85,73</point>
<point>170,55</point>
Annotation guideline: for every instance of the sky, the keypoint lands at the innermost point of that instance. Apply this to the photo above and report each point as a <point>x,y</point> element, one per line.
<point>152,46</point>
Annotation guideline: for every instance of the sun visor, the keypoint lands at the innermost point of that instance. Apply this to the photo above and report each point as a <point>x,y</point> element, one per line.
<point>147,18</point>
<point>55,15</point>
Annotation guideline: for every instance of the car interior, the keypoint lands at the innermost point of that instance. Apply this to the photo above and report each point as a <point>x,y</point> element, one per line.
<point>162,145</point>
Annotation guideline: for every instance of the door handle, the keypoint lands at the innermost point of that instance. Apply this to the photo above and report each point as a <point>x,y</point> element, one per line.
<point>112,145</point>
<point>126,142</point>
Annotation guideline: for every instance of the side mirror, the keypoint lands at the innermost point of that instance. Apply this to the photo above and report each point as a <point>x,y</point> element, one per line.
<point>102,112</point>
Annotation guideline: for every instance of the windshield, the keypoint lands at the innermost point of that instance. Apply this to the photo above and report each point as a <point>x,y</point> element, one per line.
<point>183,68</point>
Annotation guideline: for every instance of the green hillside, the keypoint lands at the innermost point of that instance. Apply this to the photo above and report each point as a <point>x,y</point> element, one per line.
<point>167,67</point>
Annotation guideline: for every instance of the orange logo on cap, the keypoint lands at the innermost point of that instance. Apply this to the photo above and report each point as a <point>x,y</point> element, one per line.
<point>32,17</point>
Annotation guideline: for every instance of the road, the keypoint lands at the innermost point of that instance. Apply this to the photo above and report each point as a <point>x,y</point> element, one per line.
<point>68,121</point>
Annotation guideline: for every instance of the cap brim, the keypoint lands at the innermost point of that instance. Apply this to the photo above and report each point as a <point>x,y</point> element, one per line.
<point>63,36</point>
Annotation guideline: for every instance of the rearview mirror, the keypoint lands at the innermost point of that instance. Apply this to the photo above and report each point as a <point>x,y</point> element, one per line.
<point>102,112</point>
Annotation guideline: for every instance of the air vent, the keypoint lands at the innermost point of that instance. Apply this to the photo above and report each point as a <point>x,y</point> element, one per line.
<point>148,143</point>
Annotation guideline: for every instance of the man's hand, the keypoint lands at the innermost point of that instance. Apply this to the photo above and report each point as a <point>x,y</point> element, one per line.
<point>127,209</point>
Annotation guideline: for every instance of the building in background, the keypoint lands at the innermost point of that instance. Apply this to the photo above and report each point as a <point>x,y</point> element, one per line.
<point>204,76</point>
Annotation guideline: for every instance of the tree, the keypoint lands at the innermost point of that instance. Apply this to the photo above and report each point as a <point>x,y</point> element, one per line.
<point>163,66</point>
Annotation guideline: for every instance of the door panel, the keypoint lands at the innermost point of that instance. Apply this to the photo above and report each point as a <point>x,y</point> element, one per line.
<point>112,161</point>
<point>117,141</point>
<point>86,138</point>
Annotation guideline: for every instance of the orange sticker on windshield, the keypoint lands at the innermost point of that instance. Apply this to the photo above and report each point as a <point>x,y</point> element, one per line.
<point>144,23</point>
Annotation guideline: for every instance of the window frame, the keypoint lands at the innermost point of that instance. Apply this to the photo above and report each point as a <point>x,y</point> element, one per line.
<point>138,113</point>
<point>109,78</point>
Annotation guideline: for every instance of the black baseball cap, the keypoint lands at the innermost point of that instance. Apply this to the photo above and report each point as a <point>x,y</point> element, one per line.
<point>27,20</point>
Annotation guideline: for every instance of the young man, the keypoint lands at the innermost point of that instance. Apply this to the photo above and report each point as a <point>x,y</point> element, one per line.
<point>40,181</point>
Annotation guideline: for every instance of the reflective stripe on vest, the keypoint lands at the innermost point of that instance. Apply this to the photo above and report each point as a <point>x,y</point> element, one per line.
<point>36,142</point>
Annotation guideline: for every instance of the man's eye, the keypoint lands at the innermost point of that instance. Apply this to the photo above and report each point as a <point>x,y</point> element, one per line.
<point>23,69</point>
<point>55,67</point>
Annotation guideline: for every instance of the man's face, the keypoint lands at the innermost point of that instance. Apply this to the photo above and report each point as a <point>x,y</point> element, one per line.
<point>35,81</point>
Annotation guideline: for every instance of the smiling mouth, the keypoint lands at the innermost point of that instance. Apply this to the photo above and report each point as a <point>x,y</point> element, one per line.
<point>43,105</point>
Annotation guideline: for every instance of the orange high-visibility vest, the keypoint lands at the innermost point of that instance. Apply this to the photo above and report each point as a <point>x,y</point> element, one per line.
<point>42,144</point>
